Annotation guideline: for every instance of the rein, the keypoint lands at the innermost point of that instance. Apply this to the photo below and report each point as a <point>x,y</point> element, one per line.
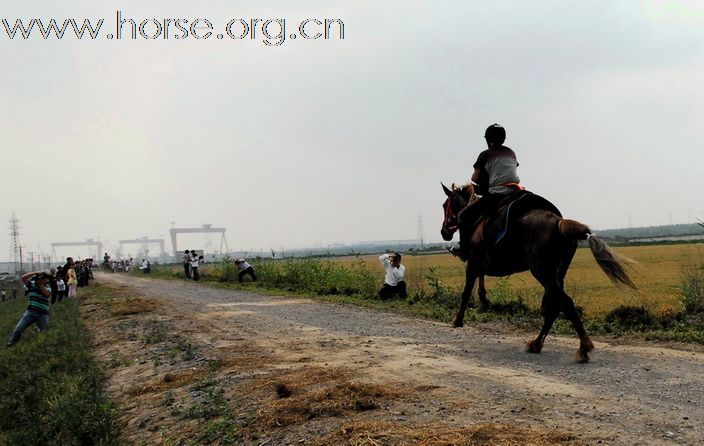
<point>450,214</point>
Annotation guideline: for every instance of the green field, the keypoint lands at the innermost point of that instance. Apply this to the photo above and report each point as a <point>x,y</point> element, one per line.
<point>657,274</point>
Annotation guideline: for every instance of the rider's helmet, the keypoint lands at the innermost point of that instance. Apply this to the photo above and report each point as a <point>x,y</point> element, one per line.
<point>495,134</point>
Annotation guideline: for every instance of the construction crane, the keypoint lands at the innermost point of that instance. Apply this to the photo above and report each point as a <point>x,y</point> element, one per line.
<point>89,242</point>
<point>144,242</point>
<point>205,229</point>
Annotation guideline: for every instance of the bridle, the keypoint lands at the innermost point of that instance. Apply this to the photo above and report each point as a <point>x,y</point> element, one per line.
<point>450,224</point>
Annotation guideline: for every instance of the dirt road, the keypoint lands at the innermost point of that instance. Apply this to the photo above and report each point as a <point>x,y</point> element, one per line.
<point>433,375</point>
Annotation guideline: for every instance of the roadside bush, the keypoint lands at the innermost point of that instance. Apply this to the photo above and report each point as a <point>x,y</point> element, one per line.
<point>631,318</point>
<point>692,288</point>
<point>433,290</point>
<point>226,270</point>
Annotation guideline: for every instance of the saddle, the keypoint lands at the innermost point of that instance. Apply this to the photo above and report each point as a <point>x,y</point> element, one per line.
<point>499,225</point>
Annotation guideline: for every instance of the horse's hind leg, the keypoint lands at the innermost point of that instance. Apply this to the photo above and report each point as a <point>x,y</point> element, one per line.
<point>550,309</point>
<point>483,301</point>
<point>585,343</point>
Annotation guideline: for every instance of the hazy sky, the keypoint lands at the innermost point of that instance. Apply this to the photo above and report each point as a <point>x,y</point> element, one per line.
<point>321,141</point>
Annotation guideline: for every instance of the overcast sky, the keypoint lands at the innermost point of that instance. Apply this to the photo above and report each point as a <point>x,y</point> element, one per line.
<point>321,141</point>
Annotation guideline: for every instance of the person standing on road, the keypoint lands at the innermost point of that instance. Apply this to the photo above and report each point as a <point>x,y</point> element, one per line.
<point>245,269</point>
<point>37,311</point>
<point>187,263</point>
<point>393,282</point>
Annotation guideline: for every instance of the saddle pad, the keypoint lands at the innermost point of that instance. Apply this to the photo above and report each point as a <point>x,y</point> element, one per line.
<point>511,209</point>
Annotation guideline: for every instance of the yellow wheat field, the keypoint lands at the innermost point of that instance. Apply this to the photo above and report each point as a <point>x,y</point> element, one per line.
<point>657,275</point>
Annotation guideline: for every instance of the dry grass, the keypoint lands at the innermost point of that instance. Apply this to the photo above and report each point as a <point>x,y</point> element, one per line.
<point>312,393</point>
<point>369,433</point>
<point>132,305</point>
<point>172,380</point>
<point>657,276</point>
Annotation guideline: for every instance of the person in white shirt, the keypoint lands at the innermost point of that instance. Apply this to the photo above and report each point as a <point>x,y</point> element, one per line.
<point>393,282</point>
<point>195,261</point>
<point>245,269</point>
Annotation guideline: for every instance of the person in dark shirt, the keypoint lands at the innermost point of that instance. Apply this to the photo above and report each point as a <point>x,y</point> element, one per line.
<point>38,305</point>
<point>496,176</point>
<point>53,285</point>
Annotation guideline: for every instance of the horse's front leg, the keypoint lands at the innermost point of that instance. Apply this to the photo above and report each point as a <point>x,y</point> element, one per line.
<point>470,278</point>
<point>484,304</point>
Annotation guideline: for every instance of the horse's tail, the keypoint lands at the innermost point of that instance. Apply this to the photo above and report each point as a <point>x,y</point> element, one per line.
<point>612,264</point>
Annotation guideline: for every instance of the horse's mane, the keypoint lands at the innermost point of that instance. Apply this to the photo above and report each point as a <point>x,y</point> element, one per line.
<point>466,190</point>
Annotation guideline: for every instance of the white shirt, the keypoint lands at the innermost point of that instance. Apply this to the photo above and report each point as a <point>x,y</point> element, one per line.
<point>194,262</point>
<point>243,265</point>
<point>393,275</point>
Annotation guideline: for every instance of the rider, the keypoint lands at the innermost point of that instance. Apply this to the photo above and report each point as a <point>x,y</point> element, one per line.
<point>495,175</point>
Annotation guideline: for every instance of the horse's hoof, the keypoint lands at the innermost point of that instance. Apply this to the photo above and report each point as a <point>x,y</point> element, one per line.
<point>457,324</point>
<point>582,357</point>
<point>533,347</point>
<point>587,346</point>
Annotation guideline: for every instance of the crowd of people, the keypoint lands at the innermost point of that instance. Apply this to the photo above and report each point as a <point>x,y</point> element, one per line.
<point>191,262</point>
<point>43,289</point>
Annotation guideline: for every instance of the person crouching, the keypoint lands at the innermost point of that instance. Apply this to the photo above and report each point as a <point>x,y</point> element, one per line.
<point>393,282</point>
<point>245,269</point>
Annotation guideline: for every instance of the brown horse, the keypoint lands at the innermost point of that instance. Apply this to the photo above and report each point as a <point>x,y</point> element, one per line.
<point>543,243</point>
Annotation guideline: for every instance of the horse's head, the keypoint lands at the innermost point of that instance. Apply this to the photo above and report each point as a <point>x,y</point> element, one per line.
<point>457,199</point>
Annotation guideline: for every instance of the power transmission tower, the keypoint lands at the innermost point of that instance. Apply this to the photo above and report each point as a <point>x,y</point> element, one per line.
<point>420,231</point>
<point>15,244</point>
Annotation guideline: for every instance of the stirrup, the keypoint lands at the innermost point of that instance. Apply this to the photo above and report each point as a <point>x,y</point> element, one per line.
<point>456,251</point>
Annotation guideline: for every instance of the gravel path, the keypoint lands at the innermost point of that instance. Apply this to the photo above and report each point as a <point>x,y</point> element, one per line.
<point>626,395</point>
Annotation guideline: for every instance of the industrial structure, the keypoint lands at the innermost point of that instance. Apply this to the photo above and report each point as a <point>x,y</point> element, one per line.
<point>144,242</point>
<point>207,228</point>
<point>89,242</point>
<point>15,248</point>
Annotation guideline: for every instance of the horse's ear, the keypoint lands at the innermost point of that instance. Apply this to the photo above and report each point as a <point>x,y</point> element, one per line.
<point>448,192</point>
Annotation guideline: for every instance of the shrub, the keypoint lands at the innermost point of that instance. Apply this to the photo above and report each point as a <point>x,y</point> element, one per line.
<point>692,288</point>
<point>631,318</point>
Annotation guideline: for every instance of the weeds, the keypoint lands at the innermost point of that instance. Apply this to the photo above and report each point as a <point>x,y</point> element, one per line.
<point>51,385</point>
<point>692,288</point>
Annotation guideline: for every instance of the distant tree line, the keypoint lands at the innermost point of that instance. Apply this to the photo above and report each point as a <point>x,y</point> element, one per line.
<point>653,231</point>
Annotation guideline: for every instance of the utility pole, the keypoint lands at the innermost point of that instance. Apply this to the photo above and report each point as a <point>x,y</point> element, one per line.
<point>16,250</point>
<point>420,230</point>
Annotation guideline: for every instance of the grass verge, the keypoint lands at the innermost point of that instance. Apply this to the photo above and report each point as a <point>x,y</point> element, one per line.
<point>430,297</point>
<point>51,385</point>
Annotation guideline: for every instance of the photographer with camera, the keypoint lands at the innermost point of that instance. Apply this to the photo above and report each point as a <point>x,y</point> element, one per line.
<point>38,305</point>
<point>394,285</point>
<point>195,261</point>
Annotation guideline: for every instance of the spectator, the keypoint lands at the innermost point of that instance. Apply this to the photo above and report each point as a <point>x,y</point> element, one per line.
<point>187,263</point>
<point>245,269</point>
<point>37,311</point>
<point>61,286</point>
<point>3,295</point>
<point>146,268</point>
<point>53,286</point>
<point>393,282</point>
<point>71,281</point>
<point>195,260</point>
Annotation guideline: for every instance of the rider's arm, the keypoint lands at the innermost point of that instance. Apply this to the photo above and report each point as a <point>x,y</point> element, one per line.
<point>476,176</point>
